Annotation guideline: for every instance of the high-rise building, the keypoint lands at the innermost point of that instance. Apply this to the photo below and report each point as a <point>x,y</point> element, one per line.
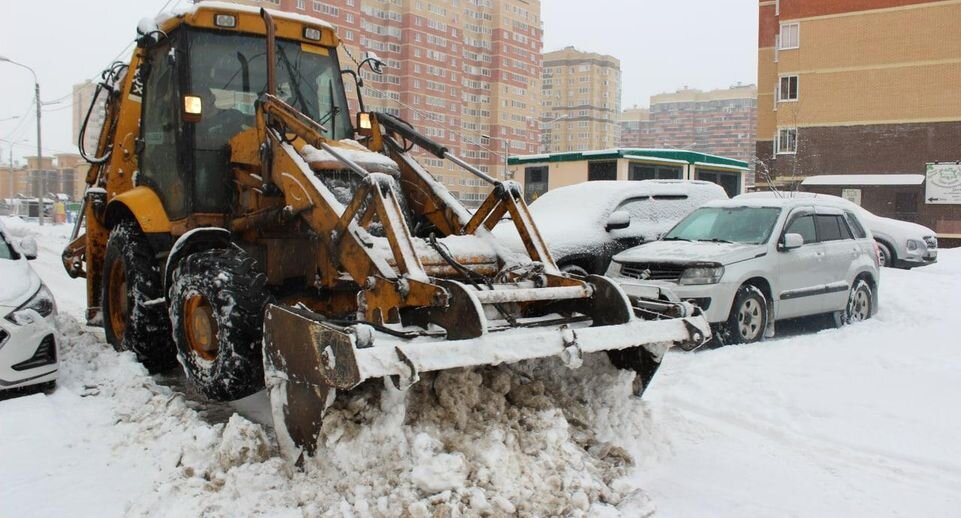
<point>465,73</point>
<point>858,87</point>
<point>581,101</point>
<point>719,122</point>
<point>82,97</point>
<point>636,129</point>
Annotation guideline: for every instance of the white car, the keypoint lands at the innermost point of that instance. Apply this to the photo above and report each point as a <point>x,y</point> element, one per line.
<point>28,329</point>
<point>901,244</point>
<point>585,224</point>
<point>750,262</point>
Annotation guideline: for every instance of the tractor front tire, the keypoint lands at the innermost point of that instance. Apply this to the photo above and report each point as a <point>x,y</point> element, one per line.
<point>132,319</point>
<point>217,300</point>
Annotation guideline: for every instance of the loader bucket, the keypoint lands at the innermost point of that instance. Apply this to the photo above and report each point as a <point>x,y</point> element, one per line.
<point>307,359</point>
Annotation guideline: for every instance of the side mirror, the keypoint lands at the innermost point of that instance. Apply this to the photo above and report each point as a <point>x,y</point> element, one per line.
<point>618,219</point>
<point>376,64</point>
<point>792,241</point>
<point>28,246</point>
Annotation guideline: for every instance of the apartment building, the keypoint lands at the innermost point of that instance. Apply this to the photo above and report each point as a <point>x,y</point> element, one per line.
<point>581,101</point>
<point>467,73</point>
<point>863,87</point>
<point>65,174</point>
<point>636,128</point>
<point>719,122</point>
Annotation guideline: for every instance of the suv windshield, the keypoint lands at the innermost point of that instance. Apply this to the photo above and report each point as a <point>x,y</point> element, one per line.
<point>751,225</point>
<point>6,251</point>
<point>229,72</point>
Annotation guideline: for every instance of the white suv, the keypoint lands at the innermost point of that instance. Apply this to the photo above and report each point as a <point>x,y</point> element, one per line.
<point>749,262</point>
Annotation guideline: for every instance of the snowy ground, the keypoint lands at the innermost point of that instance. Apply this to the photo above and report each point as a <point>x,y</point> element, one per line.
<point>861,421</point>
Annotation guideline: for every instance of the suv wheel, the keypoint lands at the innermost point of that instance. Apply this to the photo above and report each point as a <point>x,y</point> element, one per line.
<point>859,303</point>
<point>884,255</point>
<point>748,316</point>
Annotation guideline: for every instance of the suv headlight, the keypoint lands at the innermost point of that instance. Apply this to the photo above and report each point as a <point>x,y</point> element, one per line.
<point>42,302</point>
<point>914,244</point>
<point>702,275</point>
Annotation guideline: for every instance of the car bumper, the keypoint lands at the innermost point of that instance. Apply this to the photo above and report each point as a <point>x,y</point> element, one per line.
<point>914,258</point>
<point>714,299</point>
<point>29,353</point>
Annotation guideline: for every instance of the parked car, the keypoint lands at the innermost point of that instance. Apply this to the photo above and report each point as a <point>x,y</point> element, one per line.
<point>28,331</point>
<point>750,262</point>
<point>901,244</point>
<point>585,224</point>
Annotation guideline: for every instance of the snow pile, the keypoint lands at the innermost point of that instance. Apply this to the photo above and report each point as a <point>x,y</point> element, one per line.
<point>485,442</point>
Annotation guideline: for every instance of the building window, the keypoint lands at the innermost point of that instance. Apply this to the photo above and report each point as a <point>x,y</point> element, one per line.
<point>790,36</point>
<point>788,89</point>
<point>786,142</point>
<point>301,4</point>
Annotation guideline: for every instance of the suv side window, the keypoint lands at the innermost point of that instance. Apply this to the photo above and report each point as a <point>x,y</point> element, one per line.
<point>804,225</point>
<point>830,228</point>
<point>855,225</point>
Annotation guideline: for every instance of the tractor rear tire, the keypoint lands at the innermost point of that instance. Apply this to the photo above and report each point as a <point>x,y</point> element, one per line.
<point>131,282</point>
<point>217,299</point>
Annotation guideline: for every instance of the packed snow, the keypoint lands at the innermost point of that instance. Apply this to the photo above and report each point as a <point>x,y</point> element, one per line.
<point>857,421</point>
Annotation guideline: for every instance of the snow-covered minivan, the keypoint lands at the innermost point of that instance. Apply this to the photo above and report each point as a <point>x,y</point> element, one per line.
<point>749,262</point>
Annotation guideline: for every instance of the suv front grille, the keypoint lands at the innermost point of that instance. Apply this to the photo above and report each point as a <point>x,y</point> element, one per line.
<point>653,271</point>
<point>931,241</point>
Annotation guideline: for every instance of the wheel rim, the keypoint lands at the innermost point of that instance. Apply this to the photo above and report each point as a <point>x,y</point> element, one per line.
<point>200,327</point>
<point>883,257</point>
<point>118,299</point>
<point>860,306</point>
<point>749,319</point>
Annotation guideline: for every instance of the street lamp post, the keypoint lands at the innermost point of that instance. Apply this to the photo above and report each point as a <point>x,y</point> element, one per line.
<point>36,89</point>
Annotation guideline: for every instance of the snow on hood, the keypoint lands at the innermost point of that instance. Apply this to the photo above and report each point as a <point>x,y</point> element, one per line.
<point>686,252</point>
<point>19,282</point>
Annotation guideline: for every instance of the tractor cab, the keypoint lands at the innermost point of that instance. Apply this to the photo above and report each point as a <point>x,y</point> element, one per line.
<point>200,88</point>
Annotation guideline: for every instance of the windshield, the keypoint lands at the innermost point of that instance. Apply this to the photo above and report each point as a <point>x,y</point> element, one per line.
<point>751,225</point>
<point>6,251</point>
<point>228,71</point>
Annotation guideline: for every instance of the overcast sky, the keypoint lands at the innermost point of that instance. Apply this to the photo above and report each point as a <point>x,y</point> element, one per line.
<point>662,46</point>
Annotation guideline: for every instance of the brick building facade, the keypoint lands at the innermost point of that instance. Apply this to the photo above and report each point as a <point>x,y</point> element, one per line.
<point>862,87</point>
<point>581,101</point>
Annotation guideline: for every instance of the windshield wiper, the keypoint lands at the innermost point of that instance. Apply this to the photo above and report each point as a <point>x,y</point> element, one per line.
<point>673,238</point>
<point>293,80</point>
<point>716,240</point>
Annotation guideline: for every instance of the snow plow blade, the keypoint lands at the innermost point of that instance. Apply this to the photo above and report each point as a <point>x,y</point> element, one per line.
<point>307,359</point>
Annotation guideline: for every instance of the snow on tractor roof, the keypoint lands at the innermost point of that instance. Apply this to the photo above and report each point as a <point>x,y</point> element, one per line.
<point>213,5</point>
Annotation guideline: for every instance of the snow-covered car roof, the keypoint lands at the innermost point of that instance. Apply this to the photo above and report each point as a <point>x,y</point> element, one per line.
<point>574,218</point>
<point>602,197</point>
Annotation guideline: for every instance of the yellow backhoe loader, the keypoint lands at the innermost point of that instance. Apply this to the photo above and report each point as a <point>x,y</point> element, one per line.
<point>240,220</point>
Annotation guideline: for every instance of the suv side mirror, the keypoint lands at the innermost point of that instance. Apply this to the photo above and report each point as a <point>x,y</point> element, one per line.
<point>618,219</point>
<point>28,246</point>
<point>792,241</point>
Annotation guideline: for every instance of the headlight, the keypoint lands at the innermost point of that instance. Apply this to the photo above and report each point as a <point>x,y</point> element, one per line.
<point>42,302</point>
<point>702,275</point>
<point>914,244</point>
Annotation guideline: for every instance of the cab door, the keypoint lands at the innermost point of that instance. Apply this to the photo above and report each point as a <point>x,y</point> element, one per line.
<point>801,271</point>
